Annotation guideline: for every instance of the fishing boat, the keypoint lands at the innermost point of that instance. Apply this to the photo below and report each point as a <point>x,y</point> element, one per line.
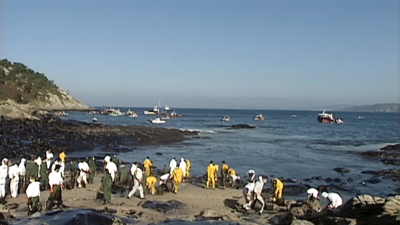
<point>152,112</point>
<point>156,120</point>
<point>131,113</point>
<point>116,112</point>
<point>325,117</point>
<point>225,118</point>
<point>259,117</point>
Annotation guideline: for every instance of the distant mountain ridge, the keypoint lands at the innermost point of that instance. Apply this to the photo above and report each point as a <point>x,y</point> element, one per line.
<point>23,91</point>
<point>384,107</point>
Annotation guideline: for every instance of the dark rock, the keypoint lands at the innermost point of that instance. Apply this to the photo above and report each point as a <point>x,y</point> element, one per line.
<point>342,170</point>
<point>389,154</point>
<point>242,126</point>
<point>373,180</point>
<point>25,138</point>
<point>75,216</point>
<point>163,207</point>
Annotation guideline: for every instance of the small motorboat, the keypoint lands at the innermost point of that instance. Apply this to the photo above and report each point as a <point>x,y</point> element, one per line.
<point>152,112</point>
<point>259,117</point>
<point>94,120</point>
<point>338,121</point>
<point>225,118</point>
<point>131,113</point>
<point>156,120</point>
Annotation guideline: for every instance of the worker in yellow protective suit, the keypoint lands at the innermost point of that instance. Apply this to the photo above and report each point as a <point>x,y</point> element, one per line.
<point>278,188</point>
<point>62,156</point>
<point>224,173</point>
<point>177,178</point>
<point>216,168</point>
<point>231,172</point>
<point>211,173</point>
<point>150,184</point>
<point>187,168</point>
<point>147,163</point>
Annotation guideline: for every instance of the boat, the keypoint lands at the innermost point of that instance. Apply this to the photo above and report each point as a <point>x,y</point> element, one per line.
<point>325,117</point>
<point>94,120</point>
<point>259,117</point>
<point>116,112</point>
<point>338,121</point>
<point>173,114</point>
<point>112,112</point>
<point>152,112</point>
<point>156,120</point>
<point>131,113</point>
<point>225,118</point>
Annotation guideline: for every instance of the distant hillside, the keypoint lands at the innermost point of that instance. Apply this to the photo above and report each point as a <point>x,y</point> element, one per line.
<point>27,90</point>
<point>387,107</point>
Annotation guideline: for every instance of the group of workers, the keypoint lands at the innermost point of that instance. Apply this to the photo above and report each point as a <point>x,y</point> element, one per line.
<point>36,175</point>
<point>334,199</point>
<point>142,177</point>
<point>33,176</point>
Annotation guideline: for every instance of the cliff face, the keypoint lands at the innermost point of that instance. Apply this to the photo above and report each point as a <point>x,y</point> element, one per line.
<point>24,91</point>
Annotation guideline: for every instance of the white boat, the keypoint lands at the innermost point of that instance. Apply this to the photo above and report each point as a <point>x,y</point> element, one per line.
<point>154,111</point>
<point>116,112</point>
<point>259,117</point>
<point>225,118</point>
<point>156,120</point>
<point>94,120</point>
<point>131,113</point>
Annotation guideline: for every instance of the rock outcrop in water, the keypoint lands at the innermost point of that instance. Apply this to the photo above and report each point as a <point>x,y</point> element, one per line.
<point>24,137</point>
<point>389,154</point>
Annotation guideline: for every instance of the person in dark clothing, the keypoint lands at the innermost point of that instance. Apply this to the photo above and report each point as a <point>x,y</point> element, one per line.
<point>124,175</point>
<point>44,176</point>
<point>92,165</point>
<point>106,184</point>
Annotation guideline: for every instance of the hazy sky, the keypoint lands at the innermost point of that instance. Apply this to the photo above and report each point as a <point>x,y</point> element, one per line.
<point>209,54</point>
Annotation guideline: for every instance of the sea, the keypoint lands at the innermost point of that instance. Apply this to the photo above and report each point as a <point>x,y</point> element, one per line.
<point>287,144</point>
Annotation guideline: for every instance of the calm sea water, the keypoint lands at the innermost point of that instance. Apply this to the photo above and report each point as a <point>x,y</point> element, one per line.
<point>289,144</point>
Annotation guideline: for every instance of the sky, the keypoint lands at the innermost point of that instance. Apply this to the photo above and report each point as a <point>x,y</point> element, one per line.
<point>239,54</point>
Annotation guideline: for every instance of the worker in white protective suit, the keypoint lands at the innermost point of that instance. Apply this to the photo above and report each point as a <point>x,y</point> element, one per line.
<point>13,174</point>
<point>3,179</point>
<point>137,174</point>
<point>172,165</point>
<point>334,200</point>
<point>182,165</point>
<point>248,192</point>
<point>83,170</point>
<point>111,166</point>
<point>258,188</point>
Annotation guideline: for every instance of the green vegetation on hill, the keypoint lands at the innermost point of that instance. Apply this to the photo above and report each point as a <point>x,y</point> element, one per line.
<point>22,84</point>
